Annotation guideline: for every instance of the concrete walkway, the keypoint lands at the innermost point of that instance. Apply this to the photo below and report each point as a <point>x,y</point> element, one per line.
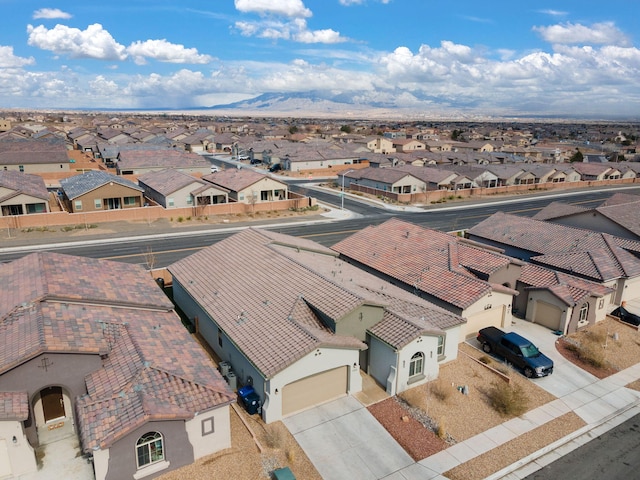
<point>344,441</point>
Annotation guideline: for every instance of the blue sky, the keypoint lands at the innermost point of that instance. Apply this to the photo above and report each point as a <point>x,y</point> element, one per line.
<point>565,57</point>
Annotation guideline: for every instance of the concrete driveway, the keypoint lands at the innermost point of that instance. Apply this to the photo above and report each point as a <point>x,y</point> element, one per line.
<point>344,441</point>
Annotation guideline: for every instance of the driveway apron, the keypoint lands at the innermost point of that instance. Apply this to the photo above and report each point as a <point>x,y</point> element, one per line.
<point>344,441</point>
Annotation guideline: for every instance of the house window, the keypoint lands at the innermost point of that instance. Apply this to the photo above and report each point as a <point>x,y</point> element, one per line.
<point>207,426</point>
<point>97,203</point>
<point>189,200</point>
<point>170,202</point>
<point>77,205</point>
<point>149,449</point>
<point>129,201</point>
<point>241,197</point>
<point>21,168</point>
<point>584,312</point>
<point>219,337</point>
<point>441,346</point>
<point>416,365</point>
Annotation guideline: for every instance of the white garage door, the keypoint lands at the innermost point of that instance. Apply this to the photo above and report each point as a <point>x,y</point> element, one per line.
<point>5,463</point>
<point>492,317</point>
<point>548,315</point>
<point>313,390</point>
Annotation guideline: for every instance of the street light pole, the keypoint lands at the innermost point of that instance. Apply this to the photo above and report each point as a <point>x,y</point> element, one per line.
<point>342,192</point>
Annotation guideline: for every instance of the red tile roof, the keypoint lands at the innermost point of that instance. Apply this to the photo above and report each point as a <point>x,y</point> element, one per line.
<point>434,262</point>
<point>14,406</point>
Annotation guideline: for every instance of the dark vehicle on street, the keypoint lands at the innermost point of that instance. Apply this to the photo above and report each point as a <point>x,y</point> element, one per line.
<point>516,350</point>
<point>276,167</point>
<point>626,316</point>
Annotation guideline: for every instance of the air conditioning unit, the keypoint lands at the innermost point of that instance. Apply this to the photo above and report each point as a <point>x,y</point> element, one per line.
<point>224,368</point>
<point>232,380</point>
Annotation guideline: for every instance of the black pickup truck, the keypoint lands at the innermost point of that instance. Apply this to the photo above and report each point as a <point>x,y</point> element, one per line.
<point>516,350</point>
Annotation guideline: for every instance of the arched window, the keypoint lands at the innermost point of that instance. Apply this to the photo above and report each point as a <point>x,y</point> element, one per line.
<point>584,312</point>
<point>416,365</point>
<point>149,449</point>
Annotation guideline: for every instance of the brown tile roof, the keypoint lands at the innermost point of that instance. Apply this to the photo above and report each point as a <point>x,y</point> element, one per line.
<point>14,406</point>
<point>571,290</point>
<point>57,303</point>
<point>235,179</point>
<point>267,288</point>
<point>31,185</point>
<point>428,260</point>
<point>160,158</point>
<point>170,180</point>
<point>598,256</point>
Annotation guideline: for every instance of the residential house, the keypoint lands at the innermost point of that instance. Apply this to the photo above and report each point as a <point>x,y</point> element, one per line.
<point>248,186</point>
<point>34,156</point>
<point>385,179</point>
<point>408,145</point>
<point>465,279</point>
<point>598,257</point>
<point>141,161</point>
<point>98,190</point>
<point>379,144</point>
<point>294,321</point>
<point>22,193</point>
<point>174,189</point>
<point>94,349</point>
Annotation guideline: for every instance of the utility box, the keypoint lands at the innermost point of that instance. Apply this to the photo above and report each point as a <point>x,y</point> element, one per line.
<point>224,368</point>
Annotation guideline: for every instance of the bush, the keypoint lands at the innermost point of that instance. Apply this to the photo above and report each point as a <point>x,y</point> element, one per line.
<point>180,219</point>
<point>485,359</point>
<point>508,399</point>
<point>590,350</point>
<point>440,390</point>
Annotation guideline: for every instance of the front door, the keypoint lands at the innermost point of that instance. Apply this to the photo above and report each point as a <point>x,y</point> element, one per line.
<point>52,403</point>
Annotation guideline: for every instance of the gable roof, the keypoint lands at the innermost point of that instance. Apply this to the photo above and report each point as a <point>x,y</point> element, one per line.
<point>236,179</point>
<point>170,180</point>
<point>598,256</point>
<point>160,158</point>
<point>269,291</point>
<point>79,185</point>
<point>428,260</point>
<point>559,209</point>
<point>18,182</point>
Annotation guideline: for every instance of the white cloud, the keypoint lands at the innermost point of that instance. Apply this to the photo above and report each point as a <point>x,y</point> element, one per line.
<point>164,51</point>
<point>9,60</point>
<point>553,13</point>
<point>287,8</point>
<point>94,42</point>
<point>605,33</point>
<point>51,13</point>
<point>295,30</point>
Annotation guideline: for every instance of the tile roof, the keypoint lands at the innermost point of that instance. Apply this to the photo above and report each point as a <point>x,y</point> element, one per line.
<point>571,290</point>
<point>14,406</point>
<point>170,180</point>
<point>236,179</point>
<point>79,185</point>
<point>559,209</point>
<point>431,261</point>
<point>151,369</point>
<point>264,289</point>
<point>160,158</point>
<point>598,256</point>
<point>32,185</point>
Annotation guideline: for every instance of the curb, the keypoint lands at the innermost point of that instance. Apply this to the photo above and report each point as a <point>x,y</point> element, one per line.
<point>532,458</point>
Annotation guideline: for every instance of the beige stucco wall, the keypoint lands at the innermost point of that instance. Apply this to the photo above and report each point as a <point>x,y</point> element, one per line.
<point>213,442</point>
<point>21,456</point>
<point>107,191</point>
<point>493,309</point>
<point>38,167</point>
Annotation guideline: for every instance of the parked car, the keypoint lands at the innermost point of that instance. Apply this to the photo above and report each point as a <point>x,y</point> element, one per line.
<point>626,316</point>
<point>516,350</point>
<point>276,167</point>
<point>214,169</point>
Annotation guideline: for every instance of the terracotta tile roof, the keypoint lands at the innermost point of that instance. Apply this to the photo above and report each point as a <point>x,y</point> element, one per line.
<point>598,256</point>
<point>571,290</point>
<point>264,289</point>
<point>53,303</point>
<point>620,199</point>
<point>428,260</point>
<point>234,179</point>
<point>160,158</point>
<point>14,406</point>
<point>170,180</point>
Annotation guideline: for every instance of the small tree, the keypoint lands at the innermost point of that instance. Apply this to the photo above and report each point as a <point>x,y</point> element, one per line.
<point>576,157</point>
<point>345,129</point>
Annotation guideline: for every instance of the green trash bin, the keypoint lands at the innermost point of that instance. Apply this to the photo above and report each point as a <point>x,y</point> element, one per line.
<point>283,474</point>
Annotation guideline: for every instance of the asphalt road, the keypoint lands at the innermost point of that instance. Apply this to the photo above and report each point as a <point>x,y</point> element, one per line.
<point>614,455</point>
<point>169,248</point>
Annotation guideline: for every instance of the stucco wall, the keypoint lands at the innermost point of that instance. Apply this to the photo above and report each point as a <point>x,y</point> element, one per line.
<point>20,454</point>
<point>205,442</point>
<point>104,192</point>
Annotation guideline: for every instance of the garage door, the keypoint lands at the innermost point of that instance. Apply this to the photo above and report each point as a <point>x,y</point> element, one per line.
<point>492,317</point>
<point>313,390</point>
<point>548,315</point>
<point>5,463</point>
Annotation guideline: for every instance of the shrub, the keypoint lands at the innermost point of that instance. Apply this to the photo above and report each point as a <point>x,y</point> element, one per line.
<point>274,436</point>
<point>440,390</point>
<point>508,399</point>
<point>180,219</point>
<point>441,430</point>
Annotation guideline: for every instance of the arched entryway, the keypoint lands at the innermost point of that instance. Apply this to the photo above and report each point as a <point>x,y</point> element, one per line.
<point>53,414</point>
